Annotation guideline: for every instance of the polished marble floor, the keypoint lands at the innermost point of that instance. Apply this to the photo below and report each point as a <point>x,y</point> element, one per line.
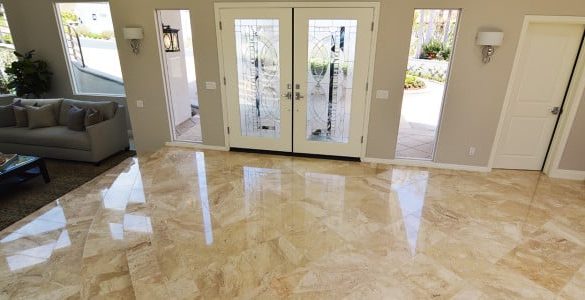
<point>187,224</point>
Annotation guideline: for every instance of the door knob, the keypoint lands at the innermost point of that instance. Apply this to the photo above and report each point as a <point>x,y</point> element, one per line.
<point>555,110</point>
<point>298,96</point>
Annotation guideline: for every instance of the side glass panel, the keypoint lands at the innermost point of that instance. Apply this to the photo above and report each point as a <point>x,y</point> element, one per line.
<point>429,61</point>
<point>331,55</point>
<point>257,51</point>
<point>90,46</point>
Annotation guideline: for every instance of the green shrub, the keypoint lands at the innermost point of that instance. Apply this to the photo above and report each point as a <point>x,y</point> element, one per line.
<point>85,32</point>
<point>68,17</point>
<point>445,53</point>
<point>413,82</point>
<point>4,89</point>
<point>319,66</point>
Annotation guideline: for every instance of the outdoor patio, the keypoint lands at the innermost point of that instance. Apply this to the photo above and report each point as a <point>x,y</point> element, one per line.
<point>190,130</point>
<point>421,110</point>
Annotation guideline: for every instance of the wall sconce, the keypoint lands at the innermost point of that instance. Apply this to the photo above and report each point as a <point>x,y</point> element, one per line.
<point>489,40</point>
<point>135,35</point>
<point>171,39</point>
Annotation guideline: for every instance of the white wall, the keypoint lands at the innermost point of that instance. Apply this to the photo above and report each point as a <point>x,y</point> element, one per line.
<point>177,70</point>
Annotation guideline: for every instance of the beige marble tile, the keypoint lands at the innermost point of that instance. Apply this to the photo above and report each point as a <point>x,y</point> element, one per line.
<point>546,259</point>
<point>185,224</point>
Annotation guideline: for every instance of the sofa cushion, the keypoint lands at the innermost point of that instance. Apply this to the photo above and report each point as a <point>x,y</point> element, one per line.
<point>21,116</point>
<point>76,118</point>
<point>39,117</point>
<point>7,116</point>
<point>42,102</point>
<point>56,136</point>
<point>106,108</point>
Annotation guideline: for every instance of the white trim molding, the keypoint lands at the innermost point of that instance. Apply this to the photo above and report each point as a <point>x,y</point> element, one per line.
<point>196,146</point>
<point>567,174</point>
<point>426,164</point>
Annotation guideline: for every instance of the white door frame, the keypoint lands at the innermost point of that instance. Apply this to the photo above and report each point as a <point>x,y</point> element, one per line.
<point>570,106</point>
<point>373,5</point>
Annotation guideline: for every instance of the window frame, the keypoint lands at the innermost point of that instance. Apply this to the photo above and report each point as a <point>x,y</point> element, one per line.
<point>12,94</point>
<point>74,88</point>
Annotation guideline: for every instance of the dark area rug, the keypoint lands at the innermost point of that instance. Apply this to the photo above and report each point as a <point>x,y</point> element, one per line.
<point>20,200</point>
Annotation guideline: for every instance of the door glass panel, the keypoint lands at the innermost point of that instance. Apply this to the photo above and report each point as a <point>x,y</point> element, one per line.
<point>257,50</point>
<point>331,54</point>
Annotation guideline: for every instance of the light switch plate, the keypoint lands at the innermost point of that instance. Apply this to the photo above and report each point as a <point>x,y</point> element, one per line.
<point>139,103</point>
<point>382,94</point>
<point>210,85</point>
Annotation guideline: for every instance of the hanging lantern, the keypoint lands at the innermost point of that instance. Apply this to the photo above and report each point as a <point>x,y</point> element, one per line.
<point>171,39</point>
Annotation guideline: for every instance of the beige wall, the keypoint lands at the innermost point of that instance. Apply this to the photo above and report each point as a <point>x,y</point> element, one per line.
<point>574,156</point>
<point>474,98</point>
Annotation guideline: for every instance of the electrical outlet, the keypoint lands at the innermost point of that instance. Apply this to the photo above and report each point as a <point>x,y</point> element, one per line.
<point>139,103</point>
<point>471,151</point>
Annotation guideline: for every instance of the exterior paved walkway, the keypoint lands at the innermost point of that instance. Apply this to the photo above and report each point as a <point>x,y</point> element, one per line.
<point>421,112</point>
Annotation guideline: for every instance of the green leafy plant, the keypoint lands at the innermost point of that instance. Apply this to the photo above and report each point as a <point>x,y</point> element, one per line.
<point>445,53</point>
<point>28,76</point>
<point>68,17</point>
<point>413,82</point>
<point>432,48</point>
<point>4,90</point>
<point>319,67</point>
<point>85,32</point>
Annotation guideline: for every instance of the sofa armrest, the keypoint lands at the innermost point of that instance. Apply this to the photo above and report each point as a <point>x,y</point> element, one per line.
<point>108,137</point>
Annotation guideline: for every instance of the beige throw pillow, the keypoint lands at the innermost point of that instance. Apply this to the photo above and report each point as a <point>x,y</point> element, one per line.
<point>39,117</point>
<point>21,116</point>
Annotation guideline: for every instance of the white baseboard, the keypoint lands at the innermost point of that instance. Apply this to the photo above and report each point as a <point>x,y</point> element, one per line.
<point>196,146</point>
<point>426,164</point>
<point>567,174</point>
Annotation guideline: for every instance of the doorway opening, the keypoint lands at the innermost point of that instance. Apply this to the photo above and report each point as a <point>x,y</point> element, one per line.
<point>434,32</point>
<point>178,58</point>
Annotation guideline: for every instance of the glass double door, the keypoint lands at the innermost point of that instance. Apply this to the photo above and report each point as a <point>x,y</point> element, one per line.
<point>296,78</point>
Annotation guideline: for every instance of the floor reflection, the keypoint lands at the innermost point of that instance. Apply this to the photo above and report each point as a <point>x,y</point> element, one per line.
<point>38,231</point>
<point>127,188</point>
<point>410,187</point>
<point>204,197</point>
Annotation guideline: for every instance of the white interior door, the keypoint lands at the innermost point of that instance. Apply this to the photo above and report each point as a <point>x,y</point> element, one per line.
<point>542,76</point>
<point>257,58</point>
<point>331,64</point>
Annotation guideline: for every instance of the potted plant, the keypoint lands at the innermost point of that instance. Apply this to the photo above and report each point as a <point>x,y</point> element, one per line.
<point>29,77</point>
<point>432,48</point>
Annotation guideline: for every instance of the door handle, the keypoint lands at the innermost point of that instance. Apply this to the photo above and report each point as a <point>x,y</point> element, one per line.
<point>298,96</point>
<point>555,110</point>
<point>287,95</point>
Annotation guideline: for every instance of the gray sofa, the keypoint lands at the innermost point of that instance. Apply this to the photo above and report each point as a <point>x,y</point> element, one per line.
<point>96,143</point>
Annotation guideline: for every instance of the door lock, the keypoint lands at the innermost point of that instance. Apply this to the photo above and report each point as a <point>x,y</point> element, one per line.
<point>298,96</point>
<point>555,110</point>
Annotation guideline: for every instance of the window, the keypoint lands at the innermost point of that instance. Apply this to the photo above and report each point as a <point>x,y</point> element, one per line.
<point>88,37</point>
<point>6,51</point>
